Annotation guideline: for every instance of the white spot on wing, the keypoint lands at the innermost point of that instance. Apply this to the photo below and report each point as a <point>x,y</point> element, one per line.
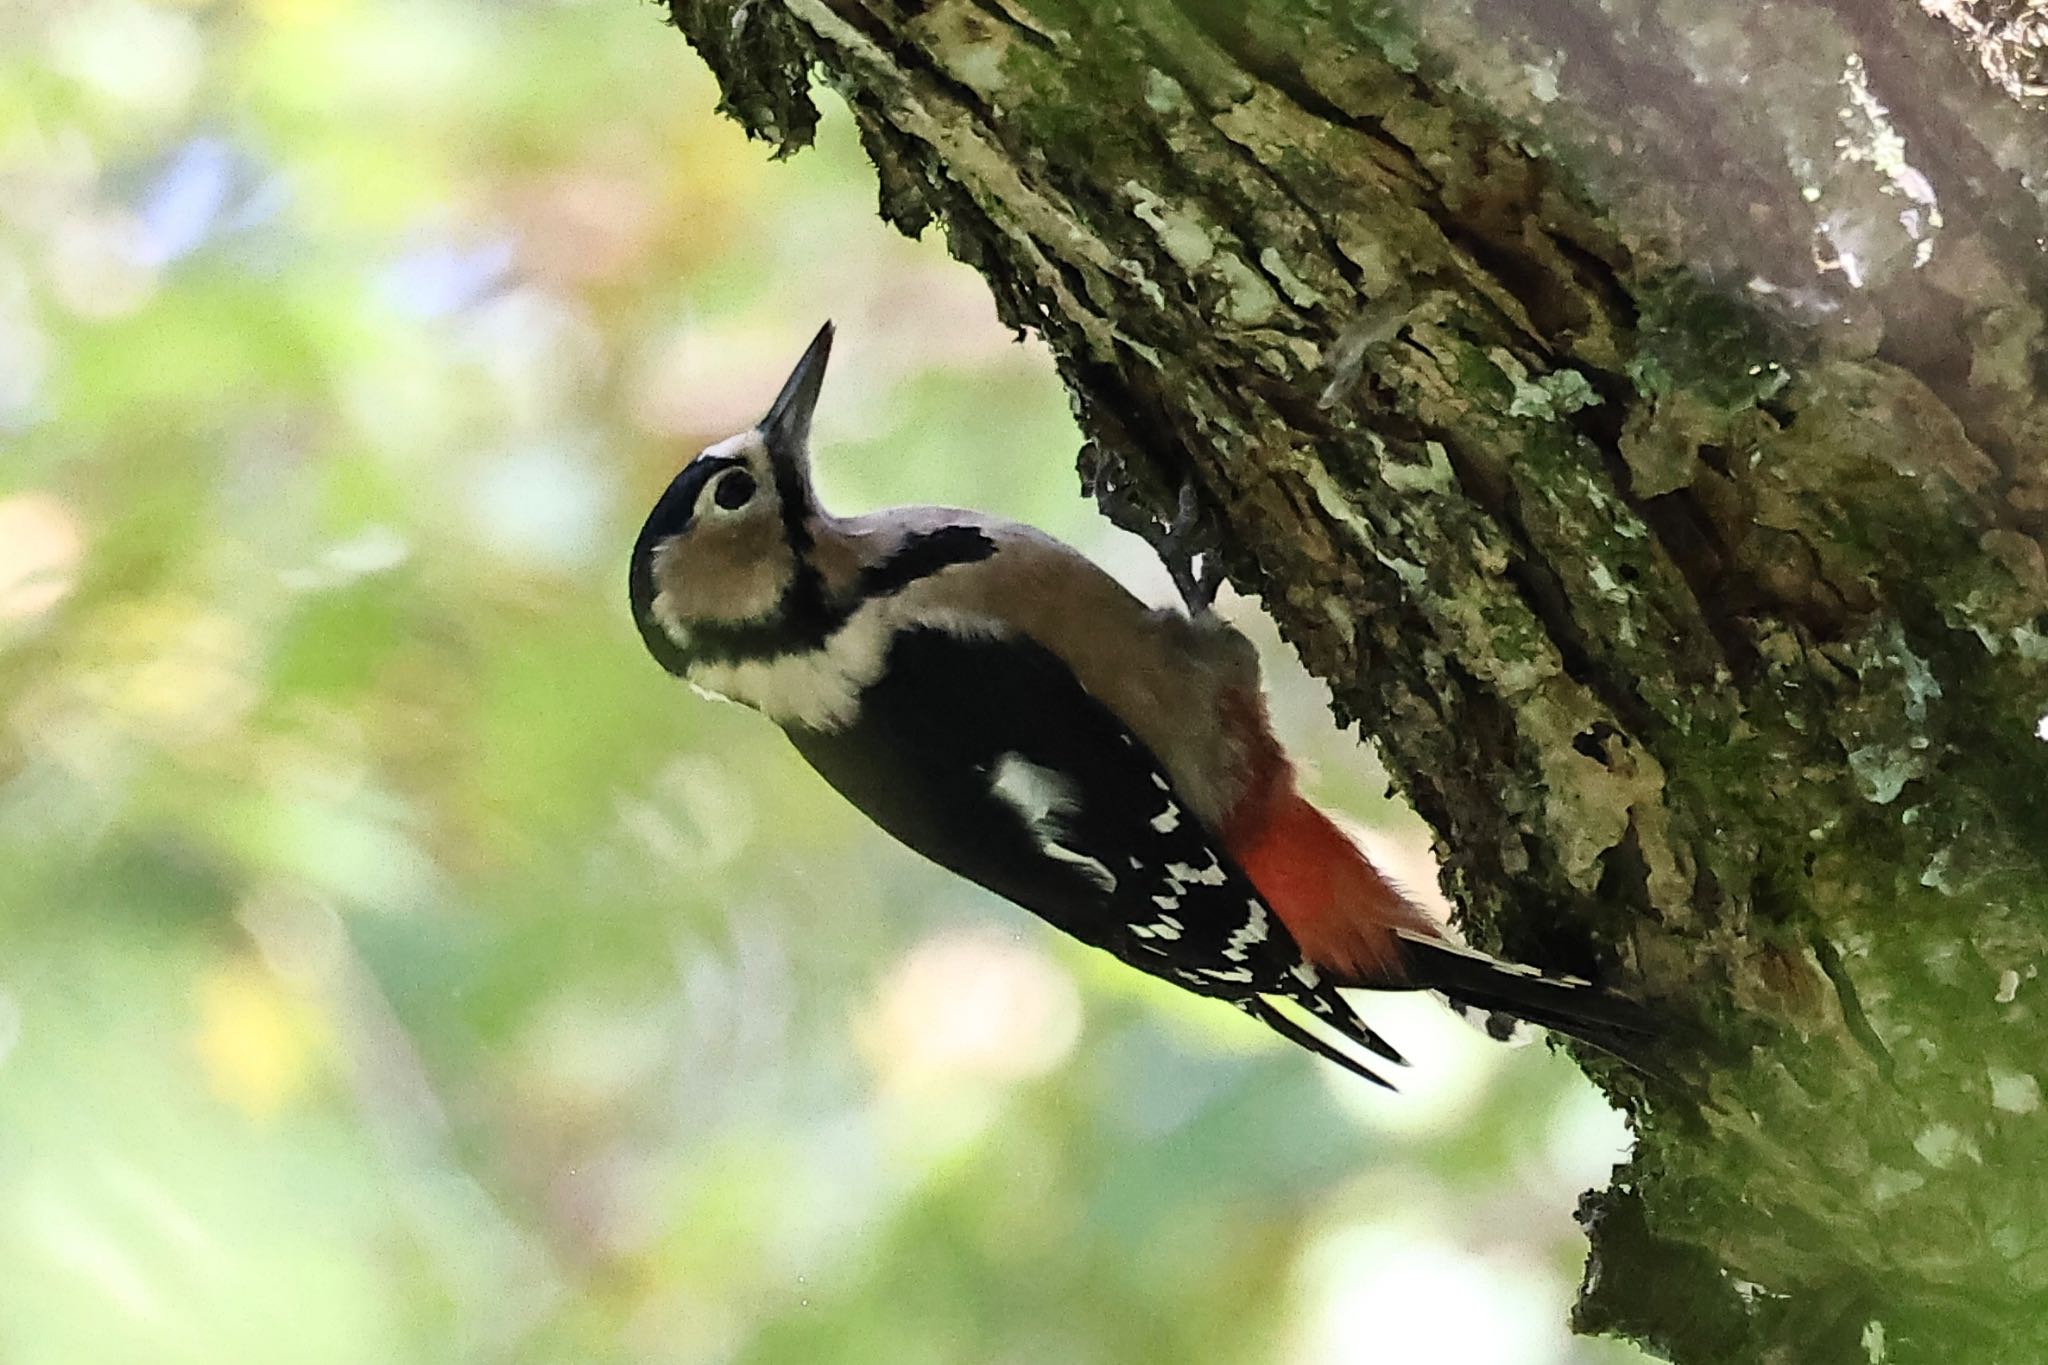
<point>1168,820</point>
<point>1044,798</point>
<point>1212,875</point>
<point>1089,867</point>
<point>1038,794</point>
<point>1254,932</point>
<point>1181,876</point>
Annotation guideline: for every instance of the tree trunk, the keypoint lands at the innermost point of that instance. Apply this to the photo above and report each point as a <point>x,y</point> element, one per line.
<point>1638,419</point>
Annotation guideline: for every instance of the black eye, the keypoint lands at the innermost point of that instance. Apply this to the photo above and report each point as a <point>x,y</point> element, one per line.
<point>734,490</point>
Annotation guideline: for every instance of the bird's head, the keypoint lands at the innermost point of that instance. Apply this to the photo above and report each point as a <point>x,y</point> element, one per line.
<point>723,555</point>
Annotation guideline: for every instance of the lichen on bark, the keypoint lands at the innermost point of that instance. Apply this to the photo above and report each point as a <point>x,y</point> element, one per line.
<point>1655,463</point>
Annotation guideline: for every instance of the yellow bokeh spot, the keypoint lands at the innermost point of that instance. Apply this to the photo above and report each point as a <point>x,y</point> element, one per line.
<point>41,544</point>
<point>181,673</point>
<point>255,1044</point>
<point>291,12</point>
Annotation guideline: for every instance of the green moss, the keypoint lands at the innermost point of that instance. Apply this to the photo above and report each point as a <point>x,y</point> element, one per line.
<point>1697,339</point>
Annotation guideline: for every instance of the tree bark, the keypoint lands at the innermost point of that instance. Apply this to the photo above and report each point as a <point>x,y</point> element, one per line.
<point>1636,413</point>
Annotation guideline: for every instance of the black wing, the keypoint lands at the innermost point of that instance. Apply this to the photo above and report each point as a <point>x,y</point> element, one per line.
<point>990,758</point>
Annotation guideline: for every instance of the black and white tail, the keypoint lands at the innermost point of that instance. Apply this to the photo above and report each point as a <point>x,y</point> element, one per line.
<point>1476,982</point>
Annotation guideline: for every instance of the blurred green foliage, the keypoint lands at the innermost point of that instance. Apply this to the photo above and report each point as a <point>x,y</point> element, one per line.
<point>395,965</point>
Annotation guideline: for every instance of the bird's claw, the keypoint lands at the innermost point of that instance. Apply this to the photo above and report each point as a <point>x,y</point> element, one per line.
<point>1181,545</point>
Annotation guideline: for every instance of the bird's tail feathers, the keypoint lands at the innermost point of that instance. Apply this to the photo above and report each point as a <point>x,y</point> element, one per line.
<point>1348,1025</point>
<point>1569,1004</point>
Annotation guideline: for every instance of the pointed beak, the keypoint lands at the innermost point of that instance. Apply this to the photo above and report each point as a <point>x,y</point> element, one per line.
<point>788,424</point>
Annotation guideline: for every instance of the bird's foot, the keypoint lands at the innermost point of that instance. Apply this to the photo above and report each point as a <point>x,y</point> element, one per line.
<point>1180,543</point>
<point>1189,556</point>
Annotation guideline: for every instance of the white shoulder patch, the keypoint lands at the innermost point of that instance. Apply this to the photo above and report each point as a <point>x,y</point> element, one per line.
<point>1039,794</point>
<point>1043,798</point>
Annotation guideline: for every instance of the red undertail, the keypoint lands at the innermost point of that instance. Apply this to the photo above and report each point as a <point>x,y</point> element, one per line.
<point>1339,908</point>
<point>1357,926</point>
<point>1317,879</point>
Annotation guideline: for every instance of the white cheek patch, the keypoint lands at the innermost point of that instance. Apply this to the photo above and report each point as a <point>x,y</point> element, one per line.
<point>664,605</point>
<point>669,620</point>
<point>1043,799</point>
<point>756,590</point>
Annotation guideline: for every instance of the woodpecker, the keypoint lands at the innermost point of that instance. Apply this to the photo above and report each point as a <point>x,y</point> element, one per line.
<point>1003,706</point>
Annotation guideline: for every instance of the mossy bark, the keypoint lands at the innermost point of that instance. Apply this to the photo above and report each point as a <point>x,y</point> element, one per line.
<point>1639,421</point>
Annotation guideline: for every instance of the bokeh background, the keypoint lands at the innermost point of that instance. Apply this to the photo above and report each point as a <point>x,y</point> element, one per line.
<point>396,966</point>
